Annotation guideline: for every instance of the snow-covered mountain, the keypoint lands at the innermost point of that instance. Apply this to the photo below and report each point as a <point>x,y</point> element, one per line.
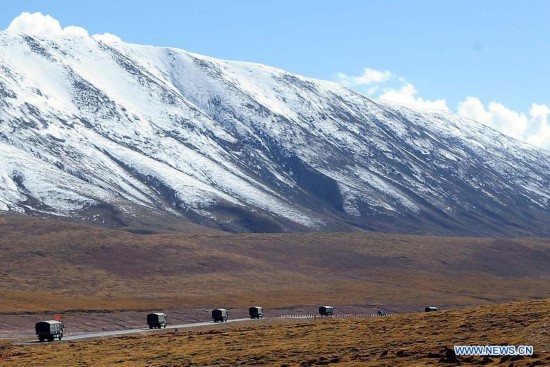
<point>115,131</point>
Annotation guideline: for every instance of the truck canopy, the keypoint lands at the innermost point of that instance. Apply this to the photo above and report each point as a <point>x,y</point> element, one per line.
<point>48,326</point>
<point>219,312</point>
<point>156,316</point>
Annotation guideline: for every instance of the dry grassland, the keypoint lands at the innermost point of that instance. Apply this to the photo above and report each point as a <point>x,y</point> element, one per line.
<point>58,266</point>
<point>422,339</point>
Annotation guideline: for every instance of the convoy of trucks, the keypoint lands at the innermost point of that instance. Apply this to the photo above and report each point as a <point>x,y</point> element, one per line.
<point>52,329</point>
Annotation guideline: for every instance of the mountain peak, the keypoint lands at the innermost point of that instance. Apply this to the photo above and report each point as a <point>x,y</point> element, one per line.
<point>111,132</point>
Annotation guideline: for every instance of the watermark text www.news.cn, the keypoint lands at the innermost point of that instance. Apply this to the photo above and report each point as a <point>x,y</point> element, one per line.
<point>494,350</point>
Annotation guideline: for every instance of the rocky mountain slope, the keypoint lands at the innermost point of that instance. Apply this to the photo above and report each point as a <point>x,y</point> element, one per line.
<point>112,132</point>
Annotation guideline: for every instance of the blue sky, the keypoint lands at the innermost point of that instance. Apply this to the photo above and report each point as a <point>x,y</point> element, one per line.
<point>495,52</point>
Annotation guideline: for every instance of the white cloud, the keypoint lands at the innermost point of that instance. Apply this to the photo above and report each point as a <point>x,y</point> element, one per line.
<point>75,31</point>
<point>389,87</point>
<point>539,131</point>
<point>496,115</point>
<point>540,121</point>
<point>38,24</point>
<point>541,137</point>
<point>472,108</point>
<point>369,76</point>
<point>42,25</point>
<point>407,95</point>
<point>533,128</point>
<point>372,90</point>
<point>107,37</point>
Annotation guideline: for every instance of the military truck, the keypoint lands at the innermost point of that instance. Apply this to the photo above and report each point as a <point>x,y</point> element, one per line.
<point>157,320</point>
<point>256,312</point>
<point>431,309</point>
<point>49,330</point>
<point>220,315</point>
<point>326,310</point>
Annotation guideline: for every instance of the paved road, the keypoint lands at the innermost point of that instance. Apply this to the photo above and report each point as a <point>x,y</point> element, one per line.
<point>99,334</point>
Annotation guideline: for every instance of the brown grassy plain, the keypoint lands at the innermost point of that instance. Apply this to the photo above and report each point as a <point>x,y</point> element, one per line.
<point>421,339</point>
<point>58,266</point>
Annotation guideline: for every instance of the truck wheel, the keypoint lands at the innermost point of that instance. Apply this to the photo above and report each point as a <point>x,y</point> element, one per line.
<point>150,326</point>
<point>40,339</point>
<point>60,336</point>
<point>50,338</point>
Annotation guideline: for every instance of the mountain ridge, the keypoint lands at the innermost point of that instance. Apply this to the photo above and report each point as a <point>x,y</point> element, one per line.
<point>107,132</point>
